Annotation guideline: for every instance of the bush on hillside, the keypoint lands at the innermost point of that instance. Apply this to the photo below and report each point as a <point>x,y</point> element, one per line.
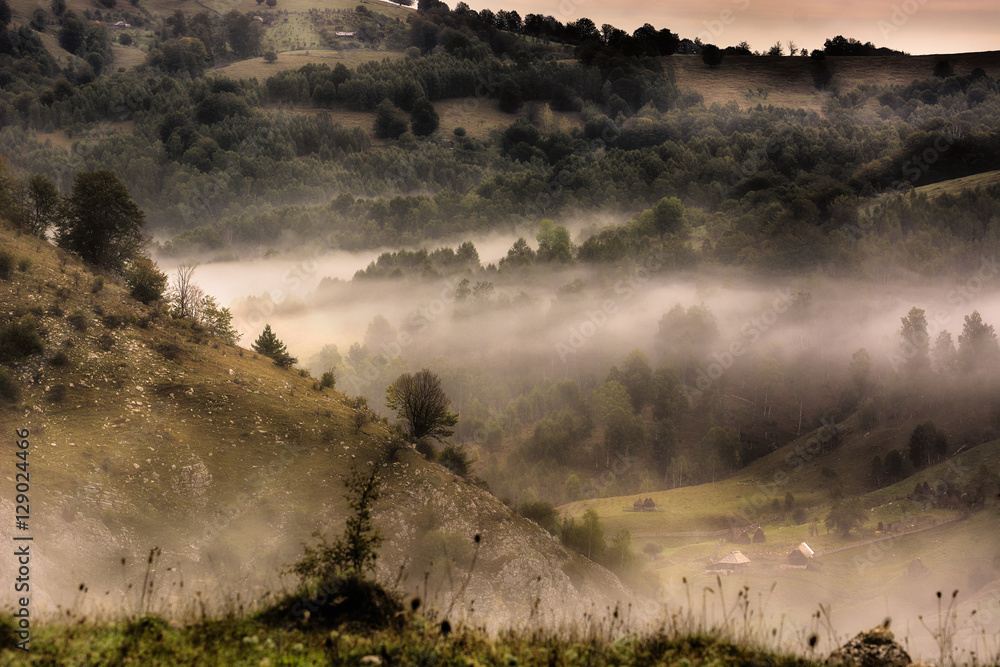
<point>20,338</point>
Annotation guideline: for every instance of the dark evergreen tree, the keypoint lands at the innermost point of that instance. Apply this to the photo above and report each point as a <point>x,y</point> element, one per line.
<point>44,204</point>
<point>711,55</point>
<point>270,345</point>
<point>102,224</point>
<point>510,96</point>
<point>389,121</point>
<point>5,14</point>
<point>924,440</point>
<point>423,119</point>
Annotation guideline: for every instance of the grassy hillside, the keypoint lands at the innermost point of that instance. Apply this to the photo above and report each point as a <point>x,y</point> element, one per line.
<point>863,575</point>
<point>788,81</point>
<point>146,432</point>
<point>956,185</point>
<point>256,68</point>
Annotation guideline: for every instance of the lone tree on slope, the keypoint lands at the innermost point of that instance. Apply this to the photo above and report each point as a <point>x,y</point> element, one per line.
<point>711,55</point>
<point>270,345</point>
<point>102,225</point>
<point>421,403</point>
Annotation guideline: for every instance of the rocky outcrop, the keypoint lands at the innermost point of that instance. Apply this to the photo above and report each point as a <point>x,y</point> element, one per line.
<point>874,648</point>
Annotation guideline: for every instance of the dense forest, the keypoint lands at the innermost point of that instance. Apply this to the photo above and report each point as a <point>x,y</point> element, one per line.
<point>219,163</point>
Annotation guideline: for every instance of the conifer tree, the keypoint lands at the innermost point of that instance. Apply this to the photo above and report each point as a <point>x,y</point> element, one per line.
<point>270,345</point>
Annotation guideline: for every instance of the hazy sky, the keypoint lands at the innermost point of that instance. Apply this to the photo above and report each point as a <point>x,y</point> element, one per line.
<point>914,26</point>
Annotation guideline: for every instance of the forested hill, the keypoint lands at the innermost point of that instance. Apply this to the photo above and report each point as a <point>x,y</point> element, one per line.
<point>454,122</point>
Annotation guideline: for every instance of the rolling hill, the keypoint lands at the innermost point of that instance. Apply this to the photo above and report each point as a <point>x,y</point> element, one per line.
<point>149,433</point>
<point>863,577</point>
<point>787,81</point>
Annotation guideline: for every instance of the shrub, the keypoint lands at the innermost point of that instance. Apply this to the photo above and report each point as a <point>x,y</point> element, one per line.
<point>943,69</point>
<point>19,339</point>
<point>456,459</point>
<point>113,321</point>
<point>39,19</point>
<point>60,359</point>
<point>542,513</point>
<point>106,341</point>
<point>652,550</point>
<point>459,131</point>
<point>97,285</point>
<point>57,393</point>
<point>427,449</point>
<point>171,351</point>
<point>6,264</point>
<point>358,604</point>
<point>8,389</point>
<point>78,320</point>
<point>328,380</point>
<point>23,264</point>
<point>145,281</point>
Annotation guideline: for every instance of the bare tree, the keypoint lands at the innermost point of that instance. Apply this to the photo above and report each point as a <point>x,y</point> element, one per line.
<point>422,405</point>
<point>792,47</point>
<point>185,296</point>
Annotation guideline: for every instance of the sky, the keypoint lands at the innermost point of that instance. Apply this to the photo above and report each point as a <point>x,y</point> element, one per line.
<point>914,26</point>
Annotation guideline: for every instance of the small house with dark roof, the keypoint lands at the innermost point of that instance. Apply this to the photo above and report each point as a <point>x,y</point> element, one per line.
<point>801,555</point>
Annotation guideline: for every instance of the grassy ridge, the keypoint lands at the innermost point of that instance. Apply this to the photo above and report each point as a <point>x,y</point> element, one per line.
<point>787,81</point>
<point>152,641</point>
<point>957,185</point>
